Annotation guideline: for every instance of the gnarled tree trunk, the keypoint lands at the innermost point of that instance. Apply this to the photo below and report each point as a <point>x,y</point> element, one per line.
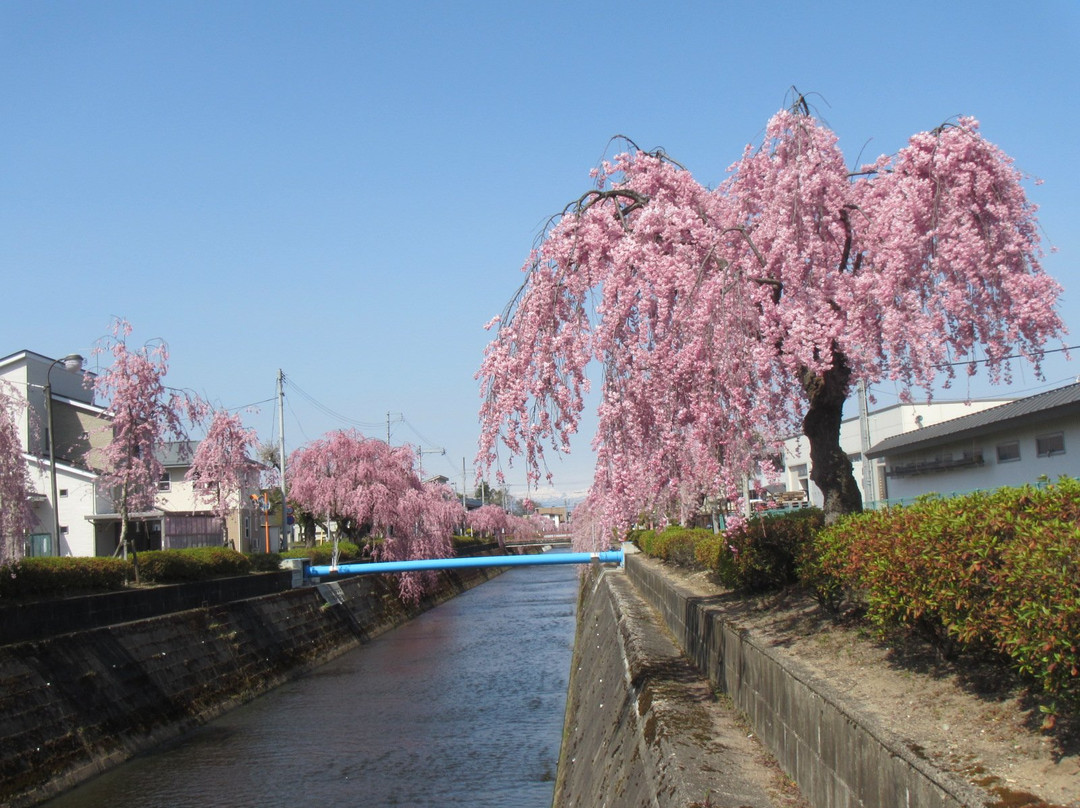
<point>830,468</point>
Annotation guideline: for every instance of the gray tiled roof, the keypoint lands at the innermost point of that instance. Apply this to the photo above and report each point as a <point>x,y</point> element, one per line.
<point>176,453</point>
<point>1044,405</point>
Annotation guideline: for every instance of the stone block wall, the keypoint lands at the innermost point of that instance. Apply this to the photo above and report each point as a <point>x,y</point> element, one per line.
<point>75,704</point>
<point>35,620</point>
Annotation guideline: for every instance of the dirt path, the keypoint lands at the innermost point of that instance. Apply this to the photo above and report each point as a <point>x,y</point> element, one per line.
<point>966,717</point>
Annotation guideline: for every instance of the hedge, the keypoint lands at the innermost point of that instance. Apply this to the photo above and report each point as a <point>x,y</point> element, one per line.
<point>191,564</point>
<point>765,553</point>
<point>993,572</point>
<point>60,577</point>
<point>321,554</point>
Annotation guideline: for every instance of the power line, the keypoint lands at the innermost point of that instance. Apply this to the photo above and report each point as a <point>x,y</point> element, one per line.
<point>327,411</point>
<point>1004,358</point>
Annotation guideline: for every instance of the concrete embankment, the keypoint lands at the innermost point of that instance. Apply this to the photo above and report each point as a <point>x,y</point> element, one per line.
<point>642,725</point>
<point>75,704</point>
<point>635,734</point>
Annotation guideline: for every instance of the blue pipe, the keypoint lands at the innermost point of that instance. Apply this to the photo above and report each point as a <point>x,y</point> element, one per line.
<point>417,565</point>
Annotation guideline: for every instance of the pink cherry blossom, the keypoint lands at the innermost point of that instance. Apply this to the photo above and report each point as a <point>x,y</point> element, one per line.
<point>373,489</point>
<point>724,320</point>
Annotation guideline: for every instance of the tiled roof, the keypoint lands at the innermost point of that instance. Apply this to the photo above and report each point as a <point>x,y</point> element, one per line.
<point>1053,402</point>
<point>176,453</point>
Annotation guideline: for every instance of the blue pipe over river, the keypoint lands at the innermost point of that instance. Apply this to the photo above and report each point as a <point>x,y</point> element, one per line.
<point>419,565</point>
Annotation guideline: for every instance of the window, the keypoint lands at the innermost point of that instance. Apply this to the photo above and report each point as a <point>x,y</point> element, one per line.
<point>63,492</point>
<point>1047,445</point>
<point>1008,452</point>
<point>164,484</point>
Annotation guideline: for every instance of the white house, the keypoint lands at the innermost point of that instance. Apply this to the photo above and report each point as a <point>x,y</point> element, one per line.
<point>1012,444</point>
<point>58,405</point>
<point>880,424</point>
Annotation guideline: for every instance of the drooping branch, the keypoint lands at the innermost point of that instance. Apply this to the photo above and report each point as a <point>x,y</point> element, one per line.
<point>590,198</point>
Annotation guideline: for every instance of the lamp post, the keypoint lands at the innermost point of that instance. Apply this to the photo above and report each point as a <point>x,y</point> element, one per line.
<point>71,362</point>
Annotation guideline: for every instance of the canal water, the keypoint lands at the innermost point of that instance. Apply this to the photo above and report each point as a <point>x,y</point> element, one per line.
<point>462,706</point>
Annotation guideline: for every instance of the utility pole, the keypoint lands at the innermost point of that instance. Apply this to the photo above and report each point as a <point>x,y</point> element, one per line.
<point>463,484</point>
<point>864,435</point>
<point>400,417</point>
<point>420,452</point>
<point>281,452</point>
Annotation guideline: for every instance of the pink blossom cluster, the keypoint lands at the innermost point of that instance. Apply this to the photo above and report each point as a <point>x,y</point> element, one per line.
<point>143,414</point>
<point>710,311</point>
<point>16,516</point>
<point>345,475</point>
<point>221,467</point>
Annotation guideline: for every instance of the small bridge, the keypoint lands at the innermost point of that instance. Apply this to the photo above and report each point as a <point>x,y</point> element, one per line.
<point>553,539</point>
<point>464,562</point>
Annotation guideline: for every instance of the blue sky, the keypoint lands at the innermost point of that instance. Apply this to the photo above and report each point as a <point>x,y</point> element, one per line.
<point>347,190</point>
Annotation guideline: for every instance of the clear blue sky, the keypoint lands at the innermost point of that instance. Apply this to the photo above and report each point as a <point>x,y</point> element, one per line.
<point>347,190</point>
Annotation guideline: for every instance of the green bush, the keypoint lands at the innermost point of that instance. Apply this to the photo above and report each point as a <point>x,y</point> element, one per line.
<point>997,572</point>
<point>674,544</point>
<point>321,554</point>
<point>766,552</point>
<point>191,564</point>
<point>470,541</point>
<point>264,562</point>
<point>59,577</point>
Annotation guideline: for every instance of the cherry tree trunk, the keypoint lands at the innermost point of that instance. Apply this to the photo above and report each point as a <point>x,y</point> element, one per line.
<point>830,468</point>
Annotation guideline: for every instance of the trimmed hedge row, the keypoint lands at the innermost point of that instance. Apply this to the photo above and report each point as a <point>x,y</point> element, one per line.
<point>995,572</point>
<point>192,564</point>
<point>52,577</point>
<point>60,577</point>
<point>322,554</point>
<point>764,553</point>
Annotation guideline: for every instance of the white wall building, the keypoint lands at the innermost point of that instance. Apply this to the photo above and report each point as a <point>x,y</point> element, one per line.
<point>78,427</point>
<point>882,423</point>
<point>55,393</point>
<point>1009,445</point>
<point>180,518</point>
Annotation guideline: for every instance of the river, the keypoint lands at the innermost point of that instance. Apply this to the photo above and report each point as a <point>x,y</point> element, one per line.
<point>462,706</point>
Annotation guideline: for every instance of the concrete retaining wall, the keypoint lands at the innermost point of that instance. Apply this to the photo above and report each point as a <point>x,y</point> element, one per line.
<point>839,758</point>
<point>75,704</point>
<point>642,727</point>
<point>36,620</point>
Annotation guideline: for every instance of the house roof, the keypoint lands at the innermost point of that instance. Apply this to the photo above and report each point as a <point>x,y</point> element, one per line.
<point>177,454</point>
<point>1062,401</point>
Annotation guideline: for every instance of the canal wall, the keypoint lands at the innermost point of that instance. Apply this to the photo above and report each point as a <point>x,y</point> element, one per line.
<point>642,726</point>
<point>838,757</point>
<point>76,704</point>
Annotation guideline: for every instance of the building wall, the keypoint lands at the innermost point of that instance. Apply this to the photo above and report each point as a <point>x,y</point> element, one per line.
<point>77,428</point>
<point>76,493</point>
<point>883,423</point>
<point>991,472</point>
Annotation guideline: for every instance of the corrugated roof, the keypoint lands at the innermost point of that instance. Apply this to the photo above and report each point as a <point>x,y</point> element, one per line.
<point>1043,404</point>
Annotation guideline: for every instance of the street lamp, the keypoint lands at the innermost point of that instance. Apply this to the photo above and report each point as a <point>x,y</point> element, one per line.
<point>71,362</point>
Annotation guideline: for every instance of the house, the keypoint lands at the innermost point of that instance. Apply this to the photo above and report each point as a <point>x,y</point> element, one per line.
<point>560,516</point>
<point>61,431</point>
<point>1011,444</point>
<point>180,518</point>
<point>60,415</point>
<point>794,484</point>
